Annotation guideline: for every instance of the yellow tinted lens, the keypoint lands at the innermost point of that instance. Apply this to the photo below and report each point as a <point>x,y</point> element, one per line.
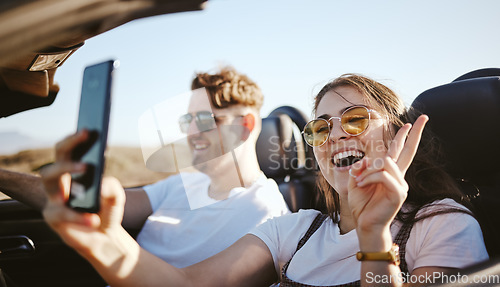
<point>316,132</point>
<point>355,121</point>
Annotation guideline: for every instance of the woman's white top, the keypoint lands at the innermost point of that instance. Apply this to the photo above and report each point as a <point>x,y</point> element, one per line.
<point>328,258</point>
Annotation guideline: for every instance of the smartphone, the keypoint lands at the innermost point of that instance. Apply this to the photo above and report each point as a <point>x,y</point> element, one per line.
<point>93,115</point>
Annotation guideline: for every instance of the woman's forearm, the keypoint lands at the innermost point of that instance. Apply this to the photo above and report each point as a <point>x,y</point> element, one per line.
<point>378,273</point>
<point>122,262</point>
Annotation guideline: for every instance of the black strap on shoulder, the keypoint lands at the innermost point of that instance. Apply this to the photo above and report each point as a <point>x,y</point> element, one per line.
<point>314,226</point>
<point>401,239</point>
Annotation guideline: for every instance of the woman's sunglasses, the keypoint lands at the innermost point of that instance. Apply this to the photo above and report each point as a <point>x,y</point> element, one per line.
<point>353,121</point>
<point>204,120</point>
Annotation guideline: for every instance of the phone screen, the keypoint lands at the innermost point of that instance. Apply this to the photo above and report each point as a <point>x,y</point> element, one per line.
<point>95,103</point>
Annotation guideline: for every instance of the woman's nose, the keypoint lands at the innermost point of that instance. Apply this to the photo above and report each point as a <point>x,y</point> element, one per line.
<point>336,131</point>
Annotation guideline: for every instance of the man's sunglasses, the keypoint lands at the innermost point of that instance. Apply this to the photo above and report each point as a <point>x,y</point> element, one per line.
<point>204,120</point>
<point>353,121</point>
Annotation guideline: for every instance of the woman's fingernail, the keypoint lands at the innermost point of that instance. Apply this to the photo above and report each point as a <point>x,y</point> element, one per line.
<point>81,166</point>
<point>88,220</point>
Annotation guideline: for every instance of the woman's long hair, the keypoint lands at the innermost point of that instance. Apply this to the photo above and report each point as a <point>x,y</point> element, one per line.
<point>426,177</point>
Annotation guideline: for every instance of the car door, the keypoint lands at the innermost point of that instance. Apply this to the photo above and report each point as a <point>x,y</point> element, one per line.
<point>31,254</point>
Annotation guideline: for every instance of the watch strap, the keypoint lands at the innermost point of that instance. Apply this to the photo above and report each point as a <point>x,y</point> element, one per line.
<point>391,256</point>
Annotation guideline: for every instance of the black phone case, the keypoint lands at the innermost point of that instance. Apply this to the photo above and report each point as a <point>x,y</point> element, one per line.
<point>95,104</point>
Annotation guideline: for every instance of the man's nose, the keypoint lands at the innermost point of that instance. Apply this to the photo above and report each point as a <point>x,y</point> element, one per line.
<point>193,128</point>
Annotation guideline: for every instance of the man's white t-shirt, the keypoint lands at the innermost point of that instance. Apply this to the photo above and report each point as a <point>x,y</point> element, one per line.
<point>328,258</point>
<point>187,226</point>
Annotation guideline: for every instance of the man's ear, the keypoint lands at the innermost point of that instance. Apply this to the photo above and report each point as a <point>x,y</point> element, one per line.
<point>249,122</point>
<point>249,125</point>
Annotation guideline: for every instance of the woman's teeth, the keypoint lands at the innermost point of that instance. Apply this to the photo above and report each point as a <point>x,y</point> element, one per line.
<point>347,158</point>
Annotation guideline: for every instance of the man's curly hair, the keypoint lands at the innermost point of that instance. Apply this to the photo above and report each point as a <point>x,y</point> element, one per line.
<point>227,87</point>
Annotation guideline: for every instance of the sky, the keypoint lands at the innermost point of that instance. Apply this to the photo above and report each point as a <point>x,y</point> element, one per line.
<point>290,48</point>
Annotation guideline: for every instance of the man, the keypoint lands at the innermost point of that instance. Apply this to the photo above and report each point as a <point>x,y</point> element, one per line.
<point>191,216</point>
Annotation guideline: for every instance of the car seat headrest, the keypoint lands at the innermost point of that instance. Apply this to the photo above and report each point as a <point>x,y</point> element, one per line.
<point>465,115</point>
<point>488,72</point>
<point>300,120</point>
<point>276,147</point>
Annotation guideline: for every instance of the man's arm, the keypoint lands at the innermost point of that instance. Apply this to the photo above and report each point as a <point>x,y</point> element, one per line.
<point>137,208</point>
<point>23,187</point>
<point>28,189</point>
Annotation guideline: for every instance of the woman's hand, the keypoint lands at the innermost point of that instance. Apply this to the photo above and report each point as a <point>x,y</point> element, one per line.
<point>377,188</point>
<point>82,231</point>
<point>117,256</point>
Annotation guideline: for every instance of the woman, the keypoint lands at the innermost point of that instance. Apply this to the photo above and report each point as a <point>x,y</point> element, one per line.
<point>364,151</point>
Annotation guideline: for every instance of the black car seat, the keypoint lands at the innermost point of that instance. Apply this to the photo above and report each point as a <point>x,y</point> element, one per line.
<point>284,156</point>
<point>465,116</point>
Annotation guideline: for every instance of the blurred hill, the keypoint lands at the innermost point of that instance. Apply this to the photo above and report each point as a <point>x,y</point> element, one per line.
<point>13,142</point>
<point>124,163</point>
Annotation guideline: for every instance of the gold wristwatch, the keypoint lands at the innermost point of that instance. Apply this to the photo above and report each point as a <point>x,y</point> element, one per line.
<point>391,256</point>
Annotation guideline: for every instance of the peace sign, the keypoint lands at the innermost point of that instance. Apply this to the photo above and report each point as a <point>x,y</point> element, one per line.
<point>403,150</point>
<point>377,188</point>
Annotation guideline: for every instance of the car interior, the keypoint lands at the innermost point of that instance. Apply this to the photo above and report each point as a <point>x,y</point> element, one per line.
<point>463,115</point>
<point>284,156</point>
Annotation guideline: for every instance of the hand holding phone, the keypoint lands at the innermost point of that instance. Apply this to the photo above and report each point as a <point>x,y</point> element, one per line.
<point>95,104</point>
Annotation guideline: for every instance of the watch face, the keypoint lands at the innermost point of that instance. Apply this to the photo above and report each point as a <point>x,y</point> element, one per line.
<point>395,254</point>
